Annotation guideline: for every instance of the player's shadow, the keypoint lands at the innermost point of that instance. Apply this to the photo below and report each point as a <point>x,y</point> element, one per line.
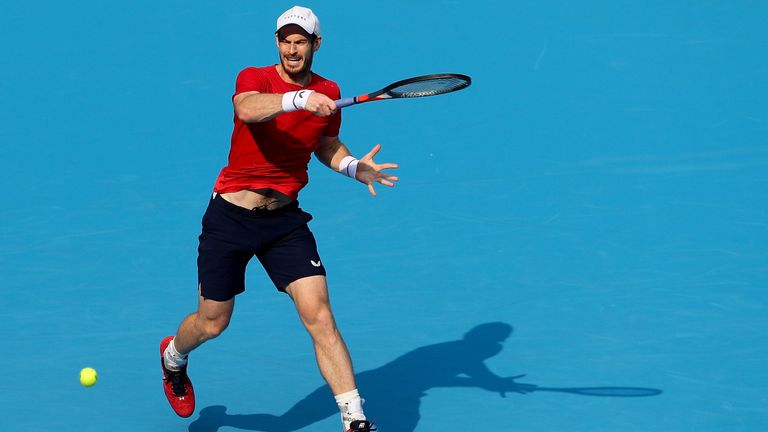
<point>394,391</point>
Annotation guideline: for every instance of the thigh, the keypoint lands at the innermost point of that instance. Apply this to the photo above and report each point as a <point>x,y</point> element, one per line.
<point>292,257</point>
<point>223,254</point>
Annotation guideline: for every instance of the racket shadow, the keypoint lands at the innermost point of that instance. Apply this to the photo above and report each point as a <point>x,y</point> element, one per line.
<point>394,390</point>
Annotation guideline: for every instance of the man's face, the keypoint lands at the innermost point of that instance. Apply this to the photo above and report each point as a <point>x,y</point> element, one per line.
<point>296,51</point>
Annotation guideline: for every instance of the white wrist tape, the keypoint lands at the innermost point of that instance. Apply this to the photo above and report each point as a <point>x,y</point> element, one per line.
<point>296,100</point>
<point>348,166</point>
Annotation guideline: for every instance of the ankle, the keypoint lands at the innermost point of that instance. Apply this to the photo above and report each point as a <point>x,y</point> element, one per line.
<point>351,406</point>
<point>174,360</point>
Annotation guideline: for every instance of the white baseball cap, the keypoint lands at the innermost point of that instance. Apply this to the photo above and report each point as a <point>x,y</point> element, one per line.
<point>302,17</point>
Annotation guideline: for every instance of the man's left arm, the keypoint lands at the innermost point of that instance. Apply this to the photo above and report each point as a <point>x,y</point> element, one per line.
<point>334,154</point>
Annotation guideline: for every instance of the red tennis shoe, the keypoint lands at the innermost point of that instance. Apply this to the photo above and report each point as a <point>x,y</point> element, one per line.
<point>177,386</point>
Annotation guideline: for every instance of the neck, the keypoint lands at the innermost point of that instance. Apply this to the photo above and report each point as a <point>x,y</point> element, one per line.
<point>302,79</point>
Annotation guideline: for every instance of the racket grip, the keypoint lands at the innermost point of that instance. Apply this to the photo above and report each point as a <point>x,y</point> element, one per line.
<point>345,102</point>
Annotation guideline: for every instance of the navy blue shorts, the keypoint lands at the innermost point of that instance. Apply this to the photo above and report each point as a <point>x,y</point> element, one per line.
<point>232,235</point>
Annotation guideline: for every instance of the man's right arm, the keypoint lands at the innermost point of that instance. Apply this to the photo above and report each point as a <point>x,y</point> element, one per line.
<point>255,107</point>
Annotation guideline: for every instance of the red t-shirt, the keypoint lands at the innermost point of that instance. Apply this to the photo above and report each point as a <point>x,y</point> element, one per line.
<point>275,154</point>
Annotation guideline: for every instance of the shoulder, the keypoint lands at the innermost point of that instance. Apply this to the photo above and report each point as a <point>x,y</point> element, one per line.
<point>259,79</point>
<point>255,71</point>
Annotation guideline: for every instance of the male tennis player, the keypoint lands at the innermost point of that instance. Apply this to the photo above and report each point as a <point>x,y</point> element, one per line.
<point>283,114</point>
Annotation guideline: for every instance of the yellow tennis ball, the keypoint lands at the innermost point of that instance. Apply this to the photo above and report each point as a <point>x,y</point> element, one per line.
<point>88,376</point>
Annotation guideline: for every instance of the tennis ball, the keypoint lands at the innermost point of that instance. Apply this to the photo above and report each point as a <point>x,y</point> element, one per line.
<point>88,376</point>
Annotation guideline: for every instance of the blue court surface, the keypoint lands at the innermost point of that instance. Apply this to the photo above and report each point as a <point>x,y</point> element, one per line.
<point>592,213</point>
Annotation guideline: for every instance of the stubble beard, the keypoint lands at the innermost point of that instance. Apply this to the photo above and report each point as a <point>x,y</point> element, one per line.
<point>300,73</point>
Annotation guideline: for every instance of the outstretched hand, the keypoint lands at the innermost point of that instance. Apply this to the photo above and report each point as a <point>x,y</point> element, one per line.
<point>508,384</point>
<point>369,172</point>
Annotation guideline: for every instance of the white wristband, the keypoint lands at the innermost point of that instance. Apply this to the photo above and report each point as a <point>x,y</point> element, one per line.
<point>296,100</point>
<point>348,166</point>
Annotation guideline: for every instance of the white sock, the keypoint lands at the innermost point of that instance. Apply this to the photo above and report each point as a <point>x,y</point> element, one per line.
<point>351,407</point>
<point>174,360</point>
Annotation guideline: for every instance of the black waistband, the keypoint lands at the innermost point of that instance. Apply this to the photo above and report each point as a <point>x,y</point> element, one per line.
<point>257,212</point>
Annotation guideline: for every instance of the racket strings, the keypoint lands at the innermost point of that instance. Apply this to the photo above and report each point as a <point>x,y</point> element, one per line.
<point>430,87</point>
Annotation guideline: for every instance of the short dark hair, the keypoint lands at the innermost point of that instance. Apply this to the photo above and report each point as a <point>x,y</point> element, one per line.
<point>312,37</point>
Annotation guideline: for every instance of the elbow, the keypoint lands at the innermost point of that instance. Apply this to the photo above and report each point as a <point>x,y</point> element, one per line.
<point>248,115</point>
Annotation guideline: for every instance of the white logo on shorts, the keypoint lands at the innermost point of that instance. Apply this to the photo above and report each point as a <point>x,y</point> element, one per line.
<point>316,264</point>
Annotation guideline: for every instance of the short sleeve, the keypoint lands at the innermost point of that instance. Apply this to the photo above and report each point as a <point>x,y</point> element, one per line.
<point>250,79</point>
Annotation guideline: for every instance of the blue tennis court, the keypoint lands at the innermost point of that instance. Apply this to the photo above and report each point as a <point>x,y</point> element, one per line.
<point>588,220</point>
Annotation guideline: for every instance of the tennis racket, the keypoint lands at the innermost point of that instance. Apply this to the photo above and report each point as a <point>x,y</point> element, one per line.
<point>420,86</point>
<point>606,391</point>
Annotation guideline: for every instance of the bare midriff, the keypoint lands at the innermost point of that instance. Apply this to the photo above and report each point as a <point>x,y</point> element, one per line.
<point>264,199</point>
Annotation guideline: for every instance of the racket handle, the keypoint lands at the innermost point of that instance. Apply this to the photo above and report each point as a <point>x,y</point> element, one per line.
<point>345,102</point>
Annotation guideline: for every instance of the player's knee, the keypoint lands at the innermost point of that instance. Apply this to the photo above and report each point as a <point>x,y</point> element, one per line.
<point>319,316</point>
<point>321,324</point>
<point>213,328</point>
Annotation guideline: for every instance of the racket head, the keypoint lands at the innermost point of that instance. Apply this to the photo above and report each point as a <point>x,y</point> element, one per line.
<point>425,85</point>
